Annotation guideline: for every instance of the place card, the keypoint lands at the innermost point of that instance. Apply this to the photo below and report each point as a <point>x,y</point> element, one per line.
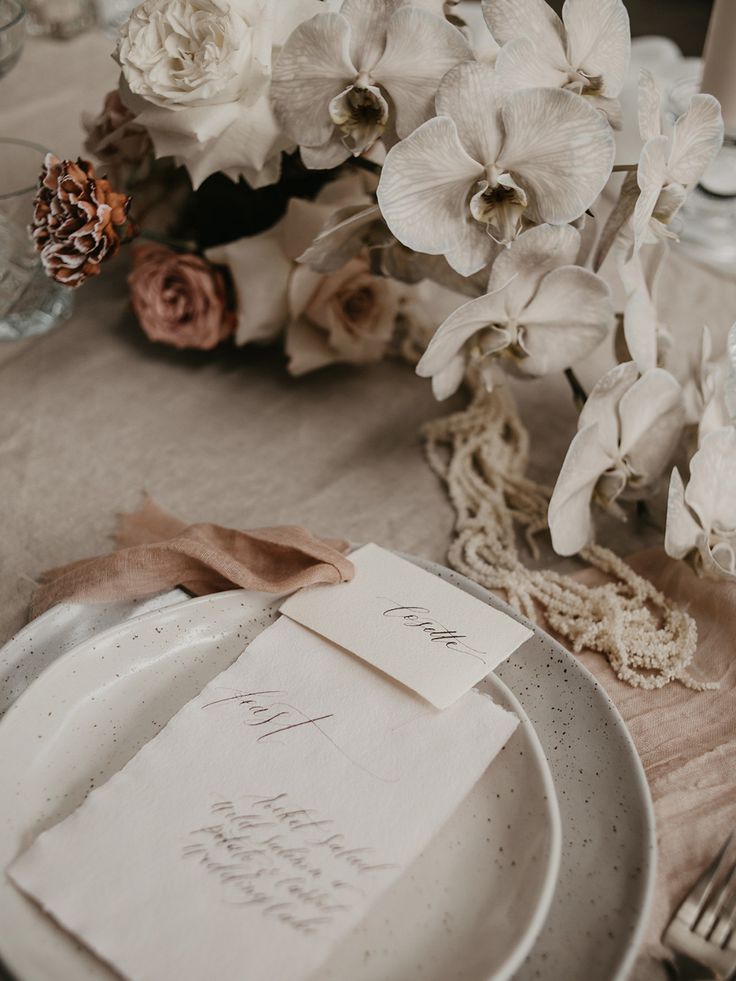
<point>424,632</point>
<point>264,820</point>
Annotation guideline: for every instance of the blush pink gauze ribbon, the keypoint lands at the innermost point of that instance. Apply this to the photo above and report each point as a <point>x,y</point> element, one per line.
<point>157,551</point>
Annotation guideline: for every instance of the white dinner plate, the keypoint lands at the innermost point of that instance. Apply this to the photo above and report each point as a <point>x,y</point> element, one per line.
<point>470,906</point>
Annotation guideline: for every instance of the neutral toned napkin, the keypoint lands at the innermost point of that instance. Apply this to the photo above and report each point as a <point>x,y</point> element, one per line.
<point>156,551</point>
<point>686,741</point>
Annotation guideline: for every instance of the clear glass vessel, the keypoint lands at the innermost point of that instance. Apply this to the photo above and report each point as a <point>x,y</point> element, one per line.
<point>12,33</point>
<point>30,302</point>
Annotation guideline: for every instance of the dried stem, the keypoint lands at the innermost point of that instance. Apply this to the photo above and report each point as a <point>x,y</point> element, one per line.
<point>579,393</point>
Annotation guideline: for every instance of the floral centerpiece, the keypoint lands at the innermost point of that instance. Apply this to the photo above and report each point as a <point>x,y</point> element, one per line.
<point>357,179</point>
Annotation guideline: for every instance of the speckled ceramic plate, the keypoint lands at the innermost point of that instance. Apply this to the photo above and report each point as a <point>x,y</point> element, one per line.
<point>470,906</point>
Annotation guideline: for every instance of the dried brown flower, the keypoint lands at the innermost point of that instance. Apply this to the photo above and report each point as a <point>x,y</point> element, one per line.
<point>117,140</point>
<point>77,220</point>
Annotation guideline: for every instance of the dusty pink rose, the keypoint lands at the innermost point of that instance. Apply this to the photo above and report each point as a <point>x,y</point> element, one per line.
<point>179,298</point>
<point>348,316</point>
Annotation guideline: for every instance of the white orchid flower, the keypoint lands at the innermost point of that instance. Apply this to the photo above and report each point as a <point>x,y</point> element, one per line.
<point>705,389</point>
<point>627,432</point>
<point>475,175</point>
<point>670,165</point>
<point>701,518</point>
<point>345,79</point>
<point>541,314</point>
<point>197,77</point>
<point>587,52</point>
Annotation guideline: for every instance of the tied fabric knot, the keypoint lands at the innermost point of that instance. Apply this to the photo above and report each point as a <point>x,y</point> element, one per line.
<point>156,552</point>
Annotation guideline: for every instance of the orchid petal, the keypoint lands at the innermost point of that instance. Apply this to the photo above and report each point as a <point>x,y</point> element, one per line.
<point>569,517</point>
<point>313,67</point>
<point>467,95</point>
<point>651,176</point>
<point>640,315</point>
<point>260,273</point>
<point>710,491</point>
<point>450,337</point>
<point>567,319</point>
<point>652,413</point>
<point>368,20</point>
<point>420,49</point>
<point>446,382</point>
<point>535,19</point>
<point>528,258</point>
<point>601,406</point>
<point>682,530</point>
<point>650,106</point>
<point>340,238</point>
<point>423,194</point>
<point>287,16</point>
<point>617,219</point>
<point>599,41</point>
<point>560,150</point>
<point>696,139</point>
<point>524,64</point>
<point>327,156</point>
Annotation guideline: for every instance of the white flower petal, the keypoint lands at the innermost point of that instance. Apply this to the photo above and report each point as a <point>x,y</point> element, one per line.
<point>446,382</point>
<point>287,16</point>
<point>467,95</point>
<point>340,238</point>
<point>567,319</point>
<point>420,49</point>
<point>327,156</point>
<point>307,349</point>
<point>618,219</point>
<point>368,21</point>
<point>640,315</point>
<point>423,193</point>
<point>460,326</point>
<point>260,272</point>
<point>601,406</point>
<point>528,258</point>
<point>570,520</point>
<point>652,414</point>
<point>599,41</point>
<point>711,490</point>
<point>651,177</point>
<point>509,19</point>
<point>682,531</point>
<point>696,139</point>
<point>313,67</point>
<point>251,141</point>
<point>174,130</point>
<point>560,150</point>
<point>650,106</point>
<point>524,64</point>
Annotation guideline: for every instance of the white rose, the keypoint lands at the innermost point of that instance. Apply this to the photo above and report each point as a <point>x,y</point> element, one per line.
<point>177,53</point>
<point>197,75</point>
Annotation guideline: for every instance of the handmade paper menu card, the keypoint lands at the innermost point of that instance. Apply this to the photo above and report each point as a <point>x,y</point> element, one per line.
<point>263,821</point>
<point>425,632</point>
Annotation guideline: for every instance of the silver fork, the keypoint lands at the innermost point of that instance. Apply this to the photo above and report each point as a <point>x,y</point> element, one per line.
<point>702,933</point>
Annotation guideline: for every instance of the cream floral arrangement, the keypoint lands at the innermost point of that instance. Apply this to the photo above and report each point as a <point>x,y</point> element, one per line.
<point>358,179</point>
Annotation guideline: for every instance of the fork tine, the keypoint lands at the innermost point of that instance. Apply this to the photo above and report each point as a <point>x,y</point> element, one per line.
<point>717,905</point>
<point>695,900</point>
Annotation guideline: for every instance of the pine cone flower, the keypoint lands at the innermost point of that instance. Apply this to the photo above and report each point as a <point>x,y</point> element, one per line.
<point>77,220</point>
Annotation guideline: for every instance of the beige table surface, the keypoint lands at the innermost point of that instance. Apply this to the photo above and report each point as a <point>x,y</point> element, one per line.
<point>92,415</point>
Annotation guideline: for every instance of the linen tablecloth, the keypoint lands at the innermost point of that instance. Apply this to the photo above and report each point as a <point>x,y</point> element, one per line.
<point>91,415</point>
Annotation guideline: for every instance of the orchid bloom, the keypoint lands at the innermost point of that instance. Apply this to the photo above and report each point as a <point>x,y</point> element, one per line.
<point>705,390</point>
<point>475,175</point>
<point>627,432</point>
<point>670,165</point>
<point>701,518</point>
<point>587,52</point>
<point>541,314</point>
<point>345,79</point>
